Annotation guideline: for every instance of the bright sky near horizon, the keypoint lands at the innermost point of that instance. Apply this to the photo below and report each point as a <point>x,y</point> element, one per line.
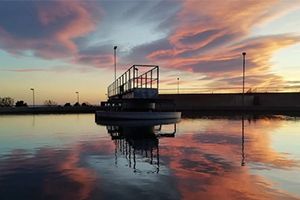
<point>60,47</point>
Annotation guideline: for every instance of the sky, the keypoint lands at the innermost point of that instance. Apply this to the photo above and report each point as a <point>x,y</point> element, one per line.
<point>60,47</point>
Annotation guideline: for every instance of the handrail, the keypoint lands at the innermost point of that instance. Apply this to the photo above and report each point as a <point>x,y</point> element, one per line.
<point>130,80</point>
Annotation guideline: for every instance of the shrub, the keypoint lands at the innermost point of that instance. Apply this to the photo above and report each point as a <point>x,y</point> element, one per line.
<point>76,104</point>
<point>21,104</point>
<point>86,104</point>
<point>67,105</point>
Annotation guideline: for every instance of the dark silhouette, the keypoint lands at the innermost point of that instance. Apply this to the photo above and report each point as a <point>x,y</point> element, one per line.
<point>85,104</point>
<point>67,105</point>
<point>244,55</point>
<point>76,104</point>
<point>21,104</point>
<point>138,143</point>
<point>6,102</point>
<point>50,103</point>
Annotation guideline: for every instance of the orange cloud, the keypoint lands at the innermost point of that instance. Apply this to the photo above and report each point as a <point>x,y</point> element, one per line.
<point>211,35</point>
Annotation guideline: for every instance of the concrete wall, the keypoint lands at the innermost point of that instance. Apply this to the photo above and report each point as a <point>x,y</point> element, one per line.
<point>234,100</point>
<point>209,99</point>
<point>277,99</point>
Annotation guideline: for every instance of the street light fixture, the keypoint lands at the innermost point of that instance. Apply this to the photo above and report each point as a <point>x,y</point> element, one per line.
<point>77,96</point>
<point>115,57</point>
<point>244,63</point>
<point>33,100</point>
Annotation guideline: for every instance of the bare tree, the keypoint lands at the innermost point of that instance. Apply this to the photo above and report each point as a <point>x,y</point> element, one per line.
<point>50,103</point>
<point>6,102</point>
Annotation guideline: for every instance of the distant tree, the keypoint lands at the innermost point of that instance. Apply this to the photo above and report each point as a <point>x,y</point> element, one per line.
<point>50,103</point>
<point>6,102</point>
<point>76,104</point>
<point>21,104</point>
<point>67,105</point>
<point>85,104</point>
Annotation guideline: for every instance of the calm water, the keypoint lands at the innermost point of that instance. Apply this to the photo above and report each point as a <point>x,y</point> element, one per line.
<point>72,157</point>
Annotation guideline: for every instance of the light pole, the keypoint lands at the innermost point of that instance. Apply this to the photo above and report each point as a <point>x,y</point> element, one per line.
<point>177,85</point>
<point>33,100</point>
<point>244,62</point>
<point>77,96</point>
<point>115,56</point>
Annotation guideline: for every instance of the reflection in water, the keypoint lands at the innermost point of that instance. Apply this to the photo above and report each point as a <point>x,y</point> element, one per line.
<point>243,140</point>
<point>71,157</point>
<point>33,120</point>
<point>138,141</point>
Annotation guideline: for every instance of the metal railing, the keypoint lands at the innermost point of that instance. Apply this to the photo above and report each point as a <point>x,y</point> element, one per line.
<point>131,79</point>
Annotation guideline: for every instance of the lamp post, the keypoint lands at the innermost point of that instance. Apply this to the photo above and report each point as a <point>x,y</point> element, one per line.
<point>77,96</point>
<point>33,100</point>
<point>244,62</point>
<point>115,57</point>
<point>177,85</point>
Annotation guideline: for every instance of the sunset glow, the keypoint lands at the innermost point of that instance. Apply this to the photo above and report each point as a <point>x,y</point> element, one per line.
<point>59,47</point>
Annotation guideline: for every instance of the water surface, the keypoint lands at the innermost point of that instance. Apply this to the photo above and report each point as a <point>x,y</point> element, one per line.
<point>72,157</point>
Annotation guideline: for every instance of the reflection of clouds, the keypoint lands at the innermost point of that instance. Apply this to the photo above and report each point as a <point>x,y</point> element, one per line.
<point>202,161</point>
<point>207,164</point>
<point>46,174</point>
<point>50,173</point>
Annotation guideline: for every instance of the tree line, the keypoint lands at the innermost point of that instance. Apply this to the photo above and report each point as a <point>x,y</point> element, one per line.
<point>9,102</point>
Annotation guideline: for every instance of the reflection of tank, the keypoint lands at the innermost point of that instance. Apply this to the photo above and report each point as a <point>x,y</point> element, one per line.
<point>138,141</point>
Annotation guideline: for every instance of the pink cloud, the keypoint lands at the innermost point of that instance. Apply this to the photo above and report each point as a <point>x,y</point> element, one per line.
<point>210,37</point>
<point>57,24</point>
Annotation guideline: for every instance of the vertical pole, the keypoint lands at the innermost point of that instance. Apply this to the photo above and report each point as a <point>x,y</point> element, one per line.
<point>77,96</point>
<point>146,80</point>
<point>129,78</point>
<point>115,64</point>
<point>115,58</point>
<point>177,85</point>
<point>244,62</point>
<point>136,77</point>
<point>133,77</point>
<point>151,79</point>
<point>33,98</point>
<point>157,75</point>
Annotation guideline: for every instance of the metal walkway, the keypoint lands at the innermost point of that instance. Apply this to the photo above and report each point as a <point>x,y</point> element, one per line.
<point>132,85</point>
